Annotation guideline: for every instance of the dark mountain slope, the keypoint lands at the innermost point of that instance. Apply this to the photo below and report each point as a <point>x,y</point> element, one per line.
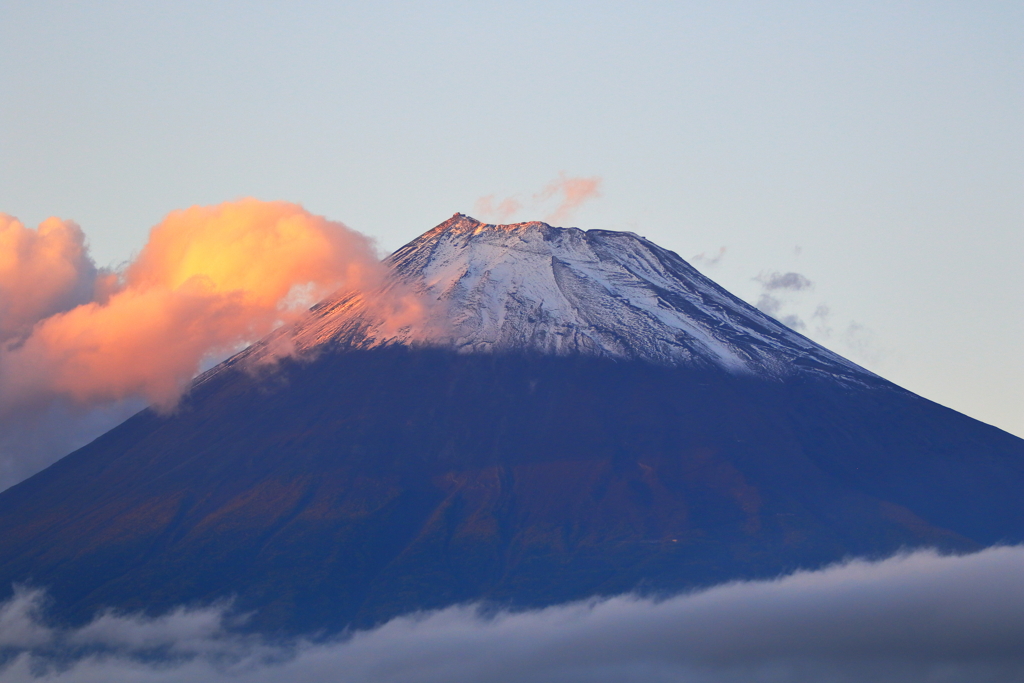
<point>372,482</point>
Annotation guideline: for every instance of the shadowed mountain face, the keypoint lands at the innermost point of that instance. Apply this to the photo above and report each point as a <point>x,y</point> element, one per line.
<point>367,479</point>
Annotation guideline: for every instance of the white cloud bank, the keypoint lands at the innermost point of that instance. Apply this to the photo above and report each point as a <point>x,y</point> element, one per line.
<point>914,618</point>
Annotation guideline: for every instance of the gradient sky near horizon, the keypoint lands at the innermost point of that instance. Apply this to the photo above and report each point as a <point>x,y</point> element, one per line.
<point>876,148</point>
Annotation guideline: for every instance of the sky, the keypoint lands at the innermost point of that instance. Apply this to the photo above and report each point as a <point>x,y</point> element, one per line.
<point>874,148</point>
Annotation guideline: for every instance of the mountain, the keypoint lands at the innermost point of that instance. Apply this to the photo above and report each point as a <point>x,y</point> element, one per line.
<point>558,291</point>
<point>575,413</point>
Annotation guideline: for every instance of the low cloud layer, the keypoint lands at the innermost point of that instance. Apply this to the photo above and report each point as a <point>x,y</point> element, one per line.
<point>560,198</point>
<point>909,619</point>
<point>75,338</point>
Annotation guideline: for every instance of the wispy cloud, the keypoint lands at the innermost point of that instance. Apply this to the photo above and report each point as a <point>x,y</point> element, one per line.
<point>776,289</point>
<point>791,282</point>
<point>572,193</point>
<point>499,211</point>
<point>914,618</point>
<point>702,259</point>
<point>780,294</point>
<point>559,200</point>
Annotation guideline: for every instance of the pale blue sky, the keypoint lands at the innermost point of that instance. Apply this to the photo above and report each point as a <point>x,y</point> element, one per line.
<point>876,147</point>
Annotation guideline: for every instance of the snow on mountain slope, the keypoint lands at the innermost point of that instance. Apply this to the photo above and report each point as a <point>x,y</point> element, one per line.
<point>531,286</point>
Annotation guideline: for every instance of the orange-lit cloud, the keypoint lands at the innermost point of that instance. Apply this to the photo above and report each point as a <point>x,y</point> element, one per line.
<point>265,250</point>
<point>570,194</point>
<point>500,211</point>
<point>208,280</point>
<point>574,192</point>
<point>42,272</point>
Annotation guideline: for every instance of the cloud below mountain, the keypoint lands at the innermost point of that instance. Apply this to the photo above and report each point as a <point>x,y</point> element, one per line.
<point>911,618</point>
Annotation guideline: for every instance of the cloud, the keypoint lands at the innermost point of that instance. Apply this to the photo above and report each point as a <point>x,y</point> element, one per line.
<point>772,305</point>
<point>21,621</point>
<point>862,343</point>
<point>776,287</point>
<point>779,292</point>
<point>76,340</point>
<point>769,304</point>
<point>703,259</point>
<point>42,272</point>
<point>793,282</point>
<point>570,194</point>
<point>573,191</point>
<point>500,211</point>
<point>208,280</point>
<point>856,339</point>
<point>912,618</point>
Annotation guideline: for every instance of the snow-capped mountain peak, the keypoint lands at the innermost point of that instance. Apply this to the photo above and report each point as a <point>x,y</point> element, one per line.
<point>535,287</point>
